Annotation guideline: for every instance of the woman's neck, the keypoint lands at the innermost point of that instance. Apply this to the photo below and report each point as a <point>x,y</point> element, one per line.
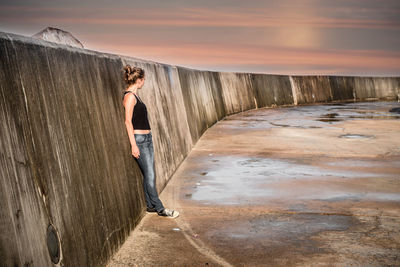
<point>132,88</point>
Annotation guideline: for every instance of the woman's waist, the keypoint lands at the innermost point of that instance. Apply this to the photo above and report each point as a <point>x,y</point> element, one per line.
<point>139,131</point>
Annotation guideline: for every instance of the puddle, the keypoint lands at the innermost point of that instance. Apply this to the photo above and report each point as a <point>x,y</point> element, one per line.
<point>329,119</point>
<point>308,117</point>
<point>301,223</point>
<point>342,108</point>
<point>356,136</point>
<point>280,125</point>
<point>275,230</point>
<point>357,163</point>
<point>281,239</point>
<point>299,123</point>
<point>360,111</point>
<point>395,110</point>
<point>236,180</point>
<point>330,115</point>
<point>357,197</point>
<point>376,117</point>
<point>335,104</point>
<point>239,180</point>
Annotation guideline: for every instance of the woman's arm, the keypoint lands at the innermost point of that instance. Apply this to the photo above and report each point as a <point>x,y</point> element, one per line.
<point>129,105</point>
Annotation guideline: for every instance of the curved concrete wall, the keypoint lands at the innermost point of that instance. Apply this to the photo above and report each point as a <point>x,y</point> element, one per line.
<point>65,154</point>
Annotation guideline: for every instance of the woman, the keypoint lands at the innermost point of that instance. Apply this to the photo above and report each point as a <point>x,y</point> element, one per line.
<point>140,137</point>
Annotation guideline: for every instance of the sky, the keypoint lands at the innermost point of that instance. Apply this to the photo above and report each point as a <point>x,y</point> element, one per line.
<point>292,37</point>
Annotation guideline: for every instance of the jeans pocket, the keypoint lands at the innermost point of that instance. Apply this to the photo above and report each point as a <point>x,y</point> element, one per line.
<point>140,138</point>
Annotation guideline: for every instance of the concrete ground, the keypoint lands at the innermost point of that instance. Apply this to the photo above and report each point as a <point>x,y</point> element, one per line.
<point>289,186</point>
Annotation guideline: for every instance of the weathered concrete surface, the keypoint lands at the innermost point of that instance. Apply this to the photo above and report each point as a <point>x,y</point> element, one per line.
<point>304,186</point>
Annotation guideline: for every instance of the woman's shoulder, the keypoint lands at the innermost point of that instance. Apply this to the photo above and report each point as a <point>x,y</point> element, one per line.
<point>126,93</point>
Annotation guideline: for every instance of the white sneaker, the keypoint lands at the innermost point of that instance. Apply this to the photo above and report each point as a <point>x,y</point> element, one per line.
<point>169,213</point>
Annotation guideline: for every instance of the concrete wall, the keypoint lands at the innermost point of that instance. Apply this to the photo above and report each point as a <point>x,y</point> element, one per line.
<point>65,155</point>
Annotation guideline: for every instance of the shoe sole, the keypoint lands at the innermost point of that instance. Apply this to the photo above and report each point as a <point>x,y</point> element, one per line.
<point>174,216</point>
<point>171,217</point>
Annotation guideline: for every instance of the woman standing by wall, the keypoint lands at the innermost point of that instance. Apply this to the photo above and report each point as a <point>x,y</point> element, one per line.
<point>141,139</point>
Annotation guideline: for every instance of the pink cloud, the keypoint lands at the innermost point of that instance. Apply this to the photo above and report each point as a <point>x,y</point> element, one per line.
<point>237,55</point>
<point>193,17</point>
<point>219,54</point>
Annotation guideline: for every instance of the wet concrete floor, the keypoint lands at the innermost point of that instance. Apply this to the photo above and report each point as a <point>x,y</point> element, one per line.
<point>289,186</point>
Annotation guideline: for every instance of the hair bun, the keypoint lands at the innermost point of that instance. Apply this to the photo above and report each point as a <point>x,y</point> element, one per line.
<point>132,74</point>
<point>128,69</point>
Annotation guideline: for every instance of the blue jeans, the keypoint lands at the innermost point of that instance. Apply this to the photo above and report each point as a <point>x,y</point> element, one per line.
<point>146,163</point>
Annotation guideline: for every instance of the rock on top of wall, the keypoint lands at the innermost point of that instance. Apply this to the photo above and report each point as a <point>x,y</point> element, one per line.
<point>59,36</point>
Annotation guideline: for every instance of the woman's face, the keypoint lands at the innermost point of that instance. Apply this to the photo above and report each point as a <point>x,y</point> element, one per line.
<point>141,82</point>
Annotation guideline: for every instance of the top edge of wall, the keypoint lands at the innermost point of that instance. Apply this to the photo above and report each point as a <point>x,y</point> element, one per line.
<point>28,39</point>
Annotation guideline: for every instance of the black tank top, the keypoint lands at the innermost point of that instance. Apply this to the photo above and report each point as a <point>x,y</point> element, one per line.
<point>139,117</point>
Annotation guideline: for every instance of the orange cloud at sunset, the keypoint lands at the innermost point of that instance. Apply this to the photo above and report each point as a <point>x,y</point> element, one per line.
<point>217,55</point>
<point>199,17</point>
<point>287,37</point>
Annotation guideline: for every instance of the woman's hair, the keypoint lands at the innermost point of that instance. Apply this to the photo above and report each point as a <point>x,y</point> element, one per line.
<point>131,74</point>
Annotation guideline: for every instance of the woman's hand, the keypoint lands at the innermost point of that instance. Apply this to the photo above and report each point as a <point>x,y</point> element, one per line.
<point>135,151</point>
